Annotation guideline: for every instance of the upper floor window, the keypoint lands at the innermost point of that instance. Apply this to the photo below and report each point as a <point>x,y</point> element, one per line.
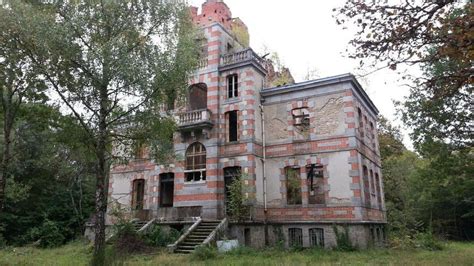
<point>195,162</point>
<point>301,118</point>
<point>232,86</point>
<point>232,126</point>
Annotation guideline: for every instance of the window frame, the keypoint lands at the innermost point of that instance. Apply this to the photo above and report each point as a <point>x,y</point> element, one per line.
<point>295,234</point>
<point>298,192</point>
<point>232,86</point>
<point>316,237</point>
<point>195,172</point>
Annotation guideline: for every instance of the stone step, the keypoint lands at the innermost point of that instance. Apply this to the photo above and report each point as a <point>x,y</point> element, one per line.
<point>183,251</point>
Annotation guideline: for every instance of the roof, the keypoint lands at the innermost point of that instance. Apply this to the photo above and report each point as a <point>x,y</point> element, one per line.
<point>313,84</point>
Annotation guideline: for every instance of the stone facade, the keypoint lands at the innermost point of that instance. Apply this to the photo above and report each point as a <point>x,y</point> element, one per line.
<point>322,131</point>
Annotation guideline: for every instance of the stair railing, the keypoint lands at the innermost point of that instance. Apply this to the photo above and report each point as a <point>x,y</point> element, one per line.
<point>215,233</point>
<point>174,246</point>
<point>146,226</point>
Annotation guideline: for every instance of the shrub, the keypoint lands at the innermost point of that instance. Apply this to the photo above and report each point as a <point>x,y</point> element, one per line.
<point>159,237</point>
<point>342,239</point>
<point>427,241</point>
<point>48,235</point>
<point>127,240</point>
<point>204,253</point>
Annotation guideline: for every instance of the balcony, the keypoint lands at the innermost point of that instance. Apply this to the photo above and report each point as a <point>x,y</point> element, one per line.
<point>196,119</point>
<point>241,58</point>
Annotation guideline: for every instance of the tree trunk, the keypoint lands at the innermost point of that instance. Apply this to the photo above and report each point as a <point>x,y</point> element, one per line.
<point>8,118</point>
<point>101,182</point>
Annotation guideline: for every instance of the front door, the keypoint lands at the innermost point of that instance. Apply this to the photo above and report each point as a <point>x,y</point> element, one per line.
<point>166,190</point>
<point>230,174</point>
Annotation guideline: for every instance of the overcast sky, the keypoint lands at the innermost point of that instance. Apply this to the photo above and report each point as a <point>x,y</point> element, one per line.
<point>306,37</point>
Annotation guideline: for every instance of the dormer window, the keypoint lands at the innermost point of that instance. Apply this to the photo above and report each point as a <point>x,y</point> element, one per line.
<point>232,86</point>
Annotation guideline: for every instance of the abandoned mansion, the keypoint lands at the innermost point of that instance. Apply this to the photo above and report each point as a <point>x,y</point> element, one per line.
<point>306,154</point>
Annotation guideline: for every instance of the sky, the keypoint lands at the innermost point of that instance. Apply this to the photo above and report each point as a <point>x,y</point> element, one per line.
<point>306,37</point>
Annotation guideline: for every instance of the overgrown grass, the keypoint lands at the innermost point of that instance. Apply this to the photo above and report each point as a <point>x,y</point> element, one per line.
<point>78,253</point>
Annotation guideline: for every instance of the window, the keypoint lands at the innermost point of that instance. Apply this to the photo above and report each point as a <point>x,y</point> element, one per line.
<point>372,182</point>
<point>366,186</point>
<point>315,175</point>
<point>316,237</point>
<point>301,119</point>
<point>361,122</point>
<point>197,98</point>
<point>295,237</point>
<point>379,195</point>
<point>138,194</point>
<point>232,126</point>
<point>195,163</point>
<point>293,186</point>
<point>232,86</point>
<point>247,237</point>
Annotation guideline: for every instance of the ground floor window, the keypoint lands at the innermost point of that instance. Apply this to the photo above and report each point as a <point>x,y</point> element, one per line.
<point>295,237</point>
<point>293,186</point>
<point>316,237</point>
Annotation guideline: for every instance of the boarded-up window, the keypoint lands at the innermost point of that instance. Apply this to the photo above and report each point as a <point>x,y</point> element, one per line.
<point>295,237</point>
<point>232,126</point>
<point>316,237</point>
<point>293,186</point>
<point>232,86</point>
<point>195,162</point>
<point>138,194</point>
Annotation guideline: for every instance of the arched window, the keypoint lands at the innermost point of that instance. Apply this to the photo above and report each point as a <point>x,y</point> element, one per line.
<point>195,162</point>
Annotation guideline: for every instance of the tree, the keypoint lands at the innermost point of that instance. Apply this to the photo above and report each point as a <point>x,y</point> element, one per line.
<point>19,83</point>
<point>112,63</point>
<point>435,35</point>
<point>390,139</point>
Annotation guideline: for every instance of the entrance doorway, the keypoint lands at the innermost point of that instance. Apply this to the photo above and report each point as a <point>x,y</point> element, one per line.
<point>166,189</point>
<point>138,194</point>
<point>230,174</point>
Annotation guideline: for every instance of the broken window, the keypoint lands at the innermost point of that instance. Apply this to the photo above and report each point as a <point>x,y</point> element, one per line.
<point>195,163</point>
<point>295,237</point>
<point>361,123</point>
<point>247,237</point>
<point>315,175</point>
<point>293,186</point>
<point>197,99</point>
<point>232,86</point>
<point>232,126</point>
<point>138,194</point>
<point>366,186</point>
<point>166,189</point>
<point>301,119</point>
<point>316,237</point>
<point>372,182</point>
<point>379,196</point>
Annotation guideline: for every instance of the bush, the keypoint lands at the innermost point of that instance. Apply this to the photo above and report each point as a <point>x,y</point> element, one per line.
<point>342,239</point>
<point>48,235</point>
<point>205,253</point>
<point>159,237</point>
<point>127,239</point>
<point>427,241</point>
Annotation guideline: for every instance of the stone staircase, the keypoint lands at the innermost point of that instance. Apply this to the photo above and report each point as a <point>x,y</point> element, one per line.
<point>197,236</point>
<point>138,224</point>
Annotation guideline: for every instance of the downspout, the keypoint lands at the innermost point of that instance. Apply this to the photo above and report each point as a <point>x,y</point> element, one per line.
<point>264,157</point>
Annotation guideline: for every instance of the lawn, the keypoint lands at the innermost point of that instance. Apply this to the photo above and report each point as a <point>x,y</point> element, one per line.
<point>79,254</point>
